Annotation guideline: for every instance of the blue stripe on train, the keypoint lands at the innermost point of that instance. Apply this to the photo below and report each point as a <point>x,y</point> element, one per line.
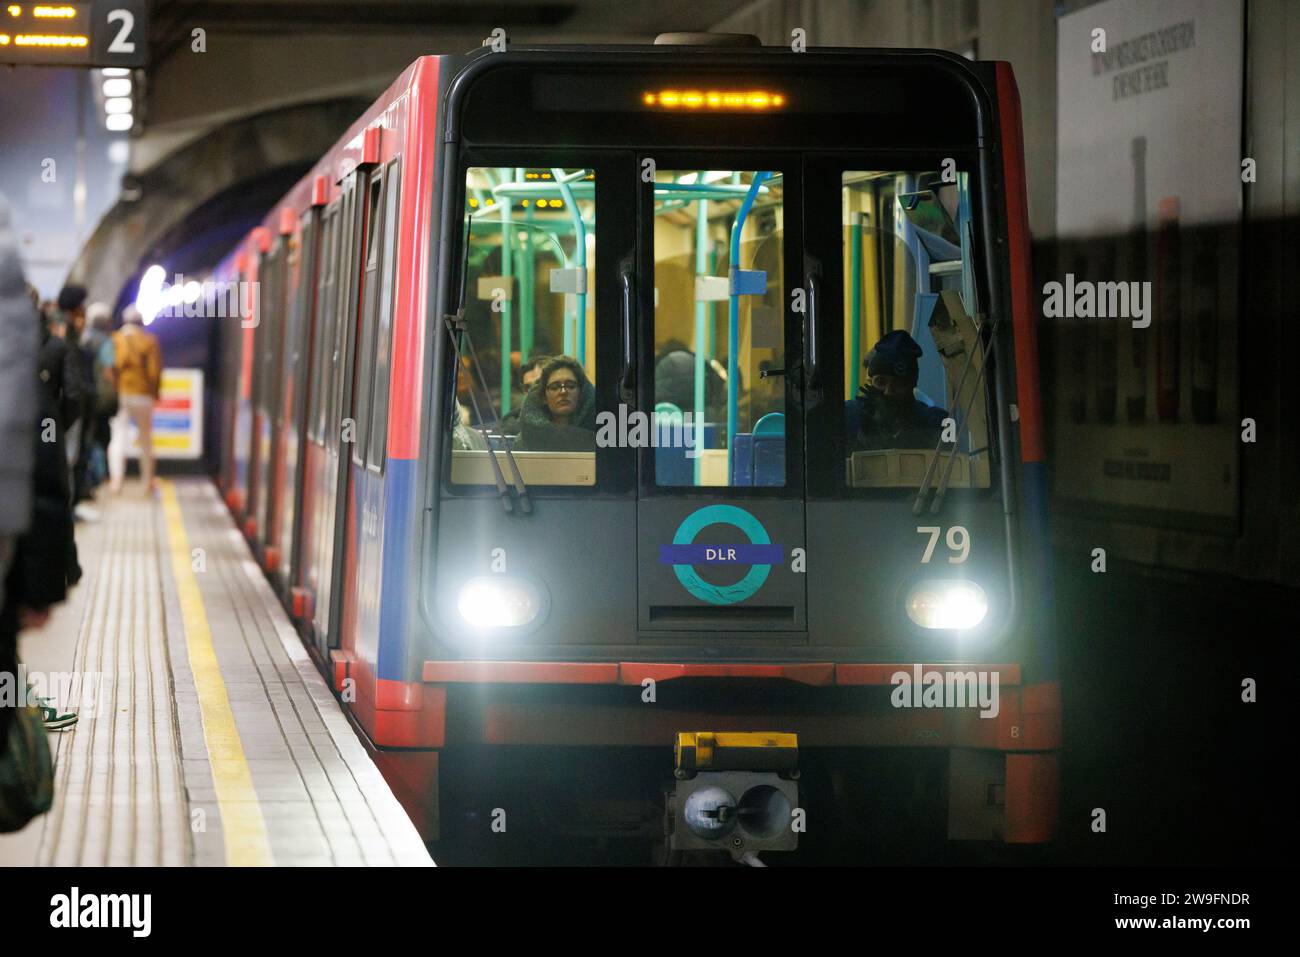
<point>401,545</point>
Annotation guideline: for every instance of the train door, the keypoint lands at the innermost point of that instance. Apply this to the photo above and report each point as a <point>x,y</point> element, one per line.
<point>361,503</point>
<point>305,572</point>
<point>242,431</point>
<point>721,502</point>
<point>338,431</point>
<point>270,342</point>
<point>902,444</point>
<point>297,366</point>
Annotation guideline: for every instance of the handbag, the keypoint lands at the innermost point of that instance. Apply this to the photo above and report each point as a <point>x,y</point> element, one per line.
<point>26,771</point>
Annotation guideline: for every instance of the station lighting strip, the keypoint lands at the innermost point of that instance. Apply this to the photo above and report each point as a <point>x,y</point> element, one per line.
<point>117,100</point>
<point>541,203</point>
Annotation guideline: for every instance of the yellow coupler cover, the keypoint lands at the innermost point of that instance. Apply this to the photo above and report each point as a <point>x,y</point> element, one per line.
<point>737,751</point>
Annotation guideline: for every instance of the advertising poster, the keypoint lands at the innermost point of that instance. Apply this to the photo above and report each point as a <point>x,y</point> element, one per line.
<point>177,417</point>
<point>1149,191</point>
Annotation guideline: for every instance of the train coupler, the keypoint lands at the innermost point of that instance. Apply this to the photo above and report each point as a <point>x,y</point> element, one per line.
<point>735,792</point>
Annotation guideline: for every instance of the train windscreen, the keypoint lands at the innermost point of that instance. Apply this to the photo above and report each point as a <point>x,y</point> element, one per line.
<point>913,345</point>
<point>528,385</point>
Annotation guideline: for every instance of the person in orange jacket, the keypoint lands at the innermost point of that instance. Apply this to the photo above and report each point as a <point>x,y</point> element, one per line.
<point>137,369</point>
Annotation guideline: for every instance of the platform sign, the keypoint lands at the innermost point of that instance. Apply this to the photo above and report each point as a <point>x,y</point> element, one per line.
<point>103,33</point>
<point>177,417</point>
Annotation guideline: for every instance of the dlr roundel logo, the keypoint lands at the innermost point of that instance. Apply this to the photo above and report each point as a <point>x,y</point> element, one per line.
<point>757,551</point>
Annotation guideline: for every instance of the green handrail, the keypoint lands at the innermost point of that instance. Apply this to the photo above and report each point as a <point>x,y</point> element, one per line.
<point>733,317</point>
<point>855,300</point>
<point>507,307</point>
<point>580,254</point>
<point>701,317</point>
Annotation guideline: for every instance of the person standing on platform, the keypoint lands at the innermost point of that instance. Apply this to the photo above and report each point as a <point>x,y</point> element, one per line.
<point>137,365</point>
<point>35,505</point>
<point>63,404</point>
<point>97,357</point>
<point>18,346</point>
<point>72,313</point>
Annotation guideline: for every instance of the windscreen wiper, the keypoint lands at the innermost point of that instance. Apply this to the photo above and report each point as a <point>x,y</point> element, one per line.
<point>959,417</point>
<point>457,328</point>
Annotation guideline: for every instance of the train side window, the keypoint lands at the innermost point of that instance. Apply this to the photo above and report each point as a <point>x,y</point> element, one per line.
<point>302,263</point>
<point>913,331</point>
<point>267,276</point>
<point>344,318</point>
<point>364,375</point>
<point>530,294</point>
<point>376,454</point>
<point>712,431</point>
<point>321,324</point>
<point>271,328</point>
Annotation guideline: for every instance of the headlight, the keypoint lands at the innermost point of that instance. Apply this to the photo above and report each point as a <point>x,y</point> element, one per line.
<point>498,602</point>
<point>959,605</point>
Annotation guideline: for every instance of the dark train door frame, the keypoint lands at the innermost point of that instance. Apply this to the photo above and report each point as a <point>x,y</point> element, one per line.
<point>338,458</point>
<point>767,598</point>
<point>304,364</point>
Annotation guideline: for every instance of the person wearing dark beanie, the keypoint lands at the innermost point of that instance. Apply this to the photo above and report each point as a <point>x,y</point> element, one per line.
<point>885,414</point>
<point>72,298</point>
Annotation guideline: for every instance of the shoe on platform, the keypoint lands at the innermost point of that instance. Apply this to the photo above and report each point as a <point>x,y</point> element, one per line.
<point>55,720</point>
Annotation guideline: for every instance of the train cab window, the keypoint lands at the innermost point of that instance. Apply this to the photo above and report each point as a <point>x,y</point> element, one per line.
<point>719,327</point>
<point>913,333</point>
<point>529,296</point>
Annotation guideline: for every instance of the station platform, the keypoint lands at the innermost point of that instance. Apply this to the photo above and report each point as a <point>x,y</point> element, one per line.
<point>206,736</point>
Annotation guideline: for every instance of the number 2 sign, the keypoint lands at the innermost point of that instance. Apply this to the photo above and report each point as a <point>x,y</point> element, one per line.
<point>120,30</point>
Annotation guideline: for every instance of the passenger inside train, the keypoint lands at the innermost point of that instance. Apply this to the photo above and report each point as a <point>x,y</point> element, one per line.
<point>530,284</point>
<point>913,337</point>
<point>559,412</point>
<point>718,321</point>
<point>529,374</point>
<point>675,380</point>
<point>886,413</point>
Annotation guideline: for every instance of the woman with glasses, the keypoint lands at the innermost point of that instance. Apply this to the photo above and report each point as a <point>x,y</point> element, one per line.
<point>559,413</point>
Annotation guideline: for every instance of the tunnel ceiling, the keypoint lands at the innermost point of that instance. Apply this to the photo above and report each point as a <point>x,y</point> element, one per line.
<point>173,19</point>
<point>225,133</point>
<point>206,193</point>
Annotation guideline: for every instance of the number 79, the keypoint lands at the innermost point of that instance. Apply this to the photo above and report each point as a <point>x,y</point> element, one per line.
<point>958,540</point>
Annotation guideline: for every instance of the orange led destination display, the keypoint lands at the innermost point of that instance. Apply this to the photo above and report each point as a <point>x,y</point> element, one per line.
<point>689,99</point>
<point>100,33</point>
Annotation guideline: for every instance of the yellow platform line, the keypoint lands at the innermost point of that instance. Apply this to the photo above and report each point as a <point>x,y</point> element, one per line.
<point>242,825</point>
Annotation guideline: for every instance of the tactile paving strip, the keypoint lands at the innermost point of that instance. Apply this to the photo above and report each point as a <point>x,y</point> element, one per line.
<point>134,779</point>
<point>118,790</point>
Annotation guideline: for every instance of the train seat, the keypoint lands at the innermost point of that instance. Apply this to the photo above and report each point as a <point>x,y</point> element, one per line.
<point>758,457</point>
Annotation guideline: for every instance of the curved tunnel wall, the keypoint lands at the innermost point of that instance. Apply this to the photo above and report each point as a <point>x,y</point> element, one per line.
<point>240,164</point>
<point>193,208</point>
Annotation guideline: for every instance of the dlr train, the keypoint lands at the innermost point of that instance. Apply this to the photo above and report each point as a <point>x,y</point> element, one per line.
<point>646,441</point>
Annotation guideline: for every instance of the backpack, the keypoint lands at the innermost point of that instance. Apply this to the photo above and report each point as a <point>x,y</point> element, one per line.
<point>105,389</point>
<point>26,771</point>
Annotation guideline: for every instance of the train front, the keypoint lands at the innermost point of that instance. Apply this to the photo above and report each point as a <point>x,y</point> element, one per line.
<point>733,537</point>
